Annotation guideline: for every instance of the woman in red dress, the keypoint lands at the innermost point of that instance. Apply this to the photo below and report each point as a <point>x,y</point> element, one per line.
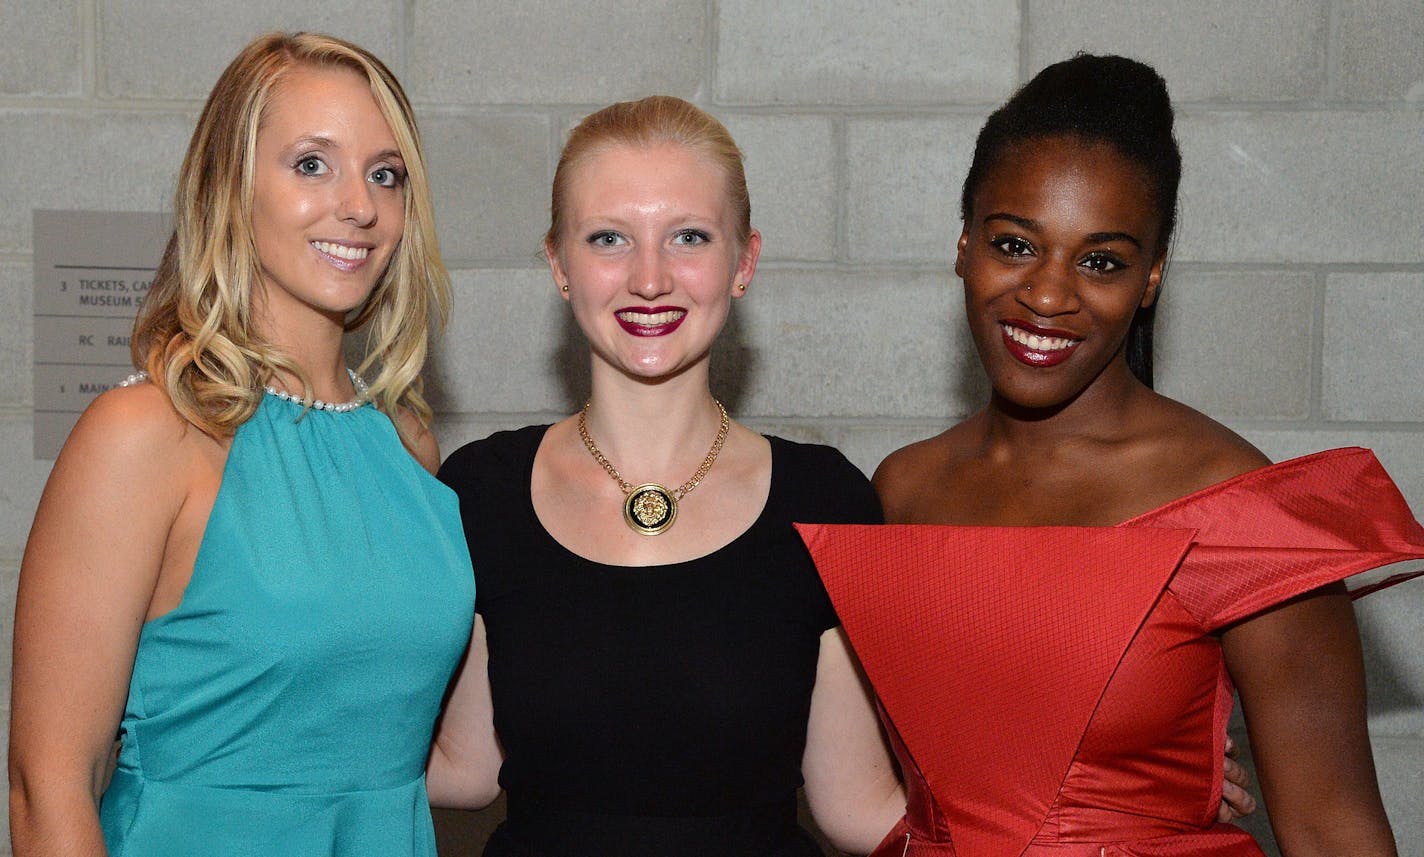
<point>1095,654</point>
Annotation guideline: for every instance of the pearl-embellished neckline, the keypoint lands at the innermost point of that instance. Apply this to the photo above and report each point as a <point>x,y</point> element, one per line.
<point>362,396</point>
<point>363,391</point>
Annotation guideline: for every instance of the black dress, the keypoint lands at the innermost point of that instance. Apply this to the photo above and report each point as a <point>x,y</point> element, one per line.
<point>660,710</point>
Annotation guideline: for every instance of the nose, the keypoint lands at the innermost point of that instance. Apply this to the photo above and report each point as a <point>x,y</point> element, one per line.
<point>356,203</point>
<point>651,274</point>
<point>1049,289</point>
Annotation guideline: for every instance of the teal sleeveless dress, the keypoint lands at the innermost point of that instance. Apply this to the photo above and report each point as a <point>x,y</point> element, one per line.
<point>286,707</point>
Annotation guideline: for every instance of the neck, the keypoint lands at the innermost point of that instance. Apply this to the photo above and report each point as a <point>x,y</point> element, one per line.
<point>1099,412</point>
<point>314,345</point>
<point>653,431</point>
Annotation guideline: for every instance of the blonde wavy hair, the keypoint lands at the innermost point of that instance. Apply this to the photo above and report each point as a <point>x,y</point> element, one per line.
<point>195,334</point>
<point>645,123</point>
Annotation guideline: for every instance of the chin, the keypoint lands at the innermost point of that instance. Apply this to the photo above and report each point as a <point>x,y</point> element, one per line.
<point>1034,397</point>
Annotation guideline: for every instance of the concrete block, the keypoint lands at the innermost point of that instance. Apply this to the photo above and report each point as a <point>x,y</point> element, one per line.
<point>1372,347</point>
<point>791,175</point>
<point>1377,49</point>
<point>490,177</point>
<point>512,347</point>
<point>1316,187</point>
<point>1210,351</point>
<point>864,442</point>
<point>903,181</point>
<point>20,489</point>
<point>17,341</point>
<point>46,55</point>
<point>1399,766</point>
<point>9,580</point>
<point>556,51</point>
<point>114,162</point>
<point>864,52</point>
<point>454,432</point>
<point>1273,50</point>
<point>785,354</point>
<point>1391,626</point>
<point>159,50</point>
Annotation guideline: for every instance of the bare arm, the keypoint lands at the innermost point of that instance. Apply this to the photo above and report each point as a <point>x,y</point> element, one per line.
<point>90,568</point>
<point>852,783</point>
<point>463,769</point>
<point>419,440</point>
<point>1301,677</point>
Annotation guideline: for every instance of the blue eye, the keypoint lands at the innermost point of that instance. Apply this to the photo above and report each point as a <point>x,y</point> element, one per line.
<point>607,238</point>
<point>311,165</point>
<point>387,177</point>
<point>691,237</point>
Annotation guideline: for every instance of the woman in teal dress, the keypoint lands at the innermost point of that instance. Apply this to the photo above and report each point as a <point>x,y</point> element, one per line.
<point>220,573</point>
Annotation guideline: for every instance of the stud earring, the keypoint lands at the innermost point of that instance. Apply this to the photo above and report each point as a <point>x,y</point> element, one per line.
<point>564,288</point>
<point>741,287</point>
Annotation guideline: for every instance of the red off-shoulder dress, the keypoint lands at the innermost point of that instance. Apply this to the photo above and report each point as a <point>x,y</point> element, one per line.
<point>1059,691</point>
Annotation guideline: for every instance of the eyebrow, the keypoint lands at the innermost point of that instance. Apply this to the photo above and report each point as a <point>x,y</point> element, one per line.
<point>1025,222</point>
<point>328,143</point>
<point>1094,238</point>
<point>1104,237</point>
<point>317,140</point>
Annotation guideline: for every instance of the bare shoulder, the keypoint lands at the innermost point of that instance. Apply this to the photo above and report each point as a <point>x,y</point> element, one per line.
<point>120,483</point>
<point>135,426</point>
<point>1196,451</point>
<point>904,465</point>
<point>419,440</point>
<point>917,470</point>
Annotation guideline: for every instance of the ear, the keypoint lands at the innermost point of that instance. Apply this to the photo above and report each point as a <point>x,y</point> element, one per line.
<point>959,253</point>
<point>556,268</point>
<point>747,263</point>
<point>1154,282</point>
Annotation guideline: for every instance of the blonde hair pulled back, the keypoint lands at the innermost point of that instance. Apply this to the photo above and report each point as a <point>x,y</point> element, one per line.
<point>645,123</point>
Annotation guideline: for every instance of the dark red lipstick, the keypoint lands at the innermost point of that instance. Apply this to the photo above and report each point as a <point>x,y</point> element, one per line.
<point>650,321</point>
<point>1037,346</point>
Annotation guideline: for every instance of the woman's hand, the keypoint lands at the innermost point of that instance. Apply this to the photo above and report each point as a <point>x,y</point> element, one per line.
<point>1236,801</point>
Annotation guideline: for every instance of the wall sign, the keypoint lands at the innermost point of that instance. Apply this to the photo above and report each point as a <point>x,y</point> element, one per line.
<point>92,270</point>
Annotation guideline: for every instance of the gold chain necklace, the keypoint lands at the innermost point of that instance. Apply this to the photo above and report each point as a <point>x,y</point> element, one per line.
<point>650,508</point>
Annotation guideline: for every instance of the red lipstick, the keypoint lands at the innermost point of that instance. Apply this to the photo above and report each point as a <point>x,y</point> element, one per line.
<point>650,321</point>
<point>1037,346</point>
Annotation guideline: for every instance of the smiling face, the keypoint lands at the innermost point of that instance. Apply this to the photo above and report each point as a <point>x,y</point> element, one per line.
<point>650,256</point>
<point>1059,252</point>
<point>328,206</point>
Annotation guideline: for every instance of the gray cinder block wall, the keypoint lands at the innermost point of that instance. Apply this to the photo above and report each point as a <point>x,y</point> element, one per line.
<point>1292,311</point>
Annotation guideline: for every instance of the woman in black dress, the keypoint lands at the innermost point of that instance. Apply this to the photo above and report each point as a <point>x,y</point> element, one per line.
<point>661,664</point>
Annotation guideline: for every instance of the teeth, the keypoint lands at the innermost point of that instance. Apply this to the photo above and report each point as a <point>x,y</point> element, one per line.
<point>652,319</point>
<point>1035,342</point>
<point>341,251</point>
